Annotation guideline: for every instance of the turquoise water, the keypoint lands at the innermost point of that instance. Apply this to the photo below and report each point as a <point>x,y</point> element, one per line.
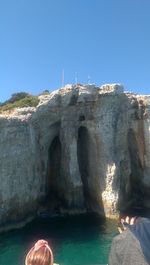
<point>78,240</point>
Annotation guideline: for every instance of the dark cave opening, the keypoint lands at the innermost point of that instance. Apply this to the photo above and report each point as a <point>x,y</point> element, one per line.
<point>137,193</point>
<point>133,193</point>
<point>83,160</point>
<point>88,170</point>
<point>54,172</point>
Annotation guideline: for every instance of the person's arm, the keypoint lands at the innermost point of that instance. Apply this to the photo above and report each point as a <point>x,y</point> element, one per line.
<point>125,222</point>
<point>119,242</point>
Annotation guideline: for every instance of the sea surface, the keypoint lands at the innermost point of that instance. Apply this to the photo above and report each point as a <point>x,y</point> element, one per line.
<point>76,240</point>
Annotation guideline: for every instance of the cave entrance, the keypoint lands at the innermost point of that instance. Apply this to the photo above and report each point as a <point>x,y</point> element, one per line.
<point>83,160</point>
<point>137,194</point>
<point>54,171</point>
<point>133,193</point>
<point>86,153</point>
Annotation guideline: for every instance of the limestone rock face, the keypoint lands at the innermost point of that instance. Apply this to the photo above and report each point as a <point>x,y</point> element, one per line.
<point>82,149</point>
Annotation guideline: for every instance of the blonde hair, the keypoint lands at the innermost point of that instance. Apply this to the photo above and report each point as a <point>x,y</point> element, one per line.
<point>40,254</point>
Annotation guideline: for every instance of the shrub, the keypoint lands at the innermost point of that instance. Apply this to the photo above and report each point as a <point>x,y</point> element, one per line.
<point>45,92</point>
<point>15,97</point>
<point>28,101</point>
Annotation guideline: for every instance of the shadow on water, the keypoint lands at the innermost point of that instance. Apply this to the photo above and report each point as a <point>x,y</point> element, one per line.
<point>82,239</point>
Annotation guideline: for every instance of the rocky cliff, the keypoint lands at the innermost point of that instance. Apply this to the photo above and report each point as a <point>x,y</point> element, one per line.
<point>82,149</point>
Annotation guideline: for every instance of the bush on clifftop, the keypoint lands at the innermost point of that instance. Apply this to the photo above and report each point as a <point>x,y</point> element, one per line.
<point>17,96</point>
<point>19,100</point>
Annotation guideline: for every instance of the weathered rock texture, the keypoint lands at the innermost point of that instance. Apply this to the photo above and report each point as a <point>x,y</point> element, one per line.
<point>84,148</point>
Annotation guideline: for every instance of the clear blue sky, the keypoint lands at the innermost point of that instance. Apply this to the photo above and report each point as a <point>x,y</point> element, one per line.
<point>106,39</point>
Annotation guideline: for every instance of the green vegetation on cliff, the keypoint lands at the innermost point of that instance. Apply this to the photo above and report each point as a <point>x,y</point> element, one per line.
<point>19,100</point>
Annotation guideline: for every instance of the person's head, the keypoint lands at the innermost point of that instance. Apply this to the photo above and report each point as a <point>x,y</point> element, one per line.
<point>40,254</point>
